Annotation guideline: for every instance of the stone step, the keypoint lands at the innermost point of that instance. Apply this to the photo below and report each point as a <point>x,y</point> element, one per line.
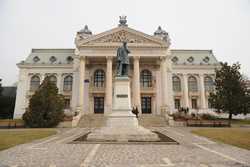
<point>99,120</point>
<point>92,120</point>
<point>152,120</point>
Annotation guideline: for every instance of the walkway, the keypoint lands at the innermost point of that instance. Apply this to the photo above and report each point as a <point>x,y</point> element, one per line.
<point>193,151</point>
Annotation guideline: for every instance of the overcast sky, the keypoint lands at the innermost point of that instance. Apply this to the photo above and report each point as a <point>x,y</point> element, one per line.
<point>220,25</point>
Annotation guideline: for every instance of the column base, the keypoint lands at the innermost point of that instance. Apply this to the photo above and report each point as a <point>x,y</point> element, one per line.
<point>122,126</point>
<point>79,110</point>
<point>107,110</point>
<point>165,110</point>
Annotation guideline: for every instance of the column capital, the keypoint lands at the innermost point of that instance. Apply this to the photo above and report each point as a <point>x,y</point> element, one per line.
<point>136,57</point>
<point>82,57</point>
<point>163,58</point>
<point>185,74</point>
<point>201,76</point>
<point>109,57</point>
<point>77,52</point>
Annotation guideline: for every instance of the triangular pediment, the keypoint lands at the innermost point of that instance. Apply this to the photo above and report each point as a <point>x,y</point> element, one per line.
<point>117,35</point>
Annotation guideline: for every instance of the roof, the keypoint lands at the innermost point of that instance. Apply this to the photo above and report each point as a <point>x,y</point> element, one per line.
<point>179,57</point>
<point>45,56</point>
<point>193,57</point>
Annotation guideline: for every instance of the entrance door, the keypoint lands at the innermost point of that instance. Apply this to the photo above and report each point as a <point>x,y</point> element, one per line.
<point>146,105</point>
<point>98,105</point>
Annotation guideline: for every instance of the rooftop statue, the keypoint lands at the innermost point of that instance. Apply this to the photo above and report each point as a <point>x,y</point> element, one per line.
<point>122,60</point>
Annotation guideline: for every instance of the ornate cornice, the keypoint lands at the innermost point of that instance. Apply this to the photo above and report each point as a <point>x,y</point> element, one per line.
<point>114,37</point>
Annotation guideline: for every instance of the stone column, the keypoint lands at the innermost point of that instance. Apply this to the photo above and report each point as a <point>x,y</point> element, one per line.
<point>59,83</point>
<point>136,84</point>
<point>42,78</point>
<point>170,97</point>
<point>81,84</point>
<point>202,92</point>
<point>164,79</point>
<point>75,90</point>
<point>185,90</point>
<point>108,91</point>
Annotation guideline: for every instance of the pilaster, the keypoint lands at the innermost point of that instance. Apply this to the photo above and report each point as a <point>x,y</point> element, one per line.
<point>185,90</point>
<point>108,91</point>
<point>202,91</point>
<point>136,84</point>
<point>81,84</point>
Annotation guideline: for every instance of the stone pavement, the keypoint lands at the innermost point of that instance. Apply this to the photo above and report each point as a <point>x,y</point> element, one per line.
<point>193,151</point>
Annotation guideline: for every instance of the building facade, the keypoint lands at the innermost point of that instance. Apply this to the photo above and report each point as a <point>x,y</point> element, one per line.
<point>162,79</point>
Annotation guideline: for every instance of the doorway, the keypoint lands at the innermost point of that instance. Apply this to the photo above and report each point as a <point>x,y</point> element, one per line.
<point>98,105</point>
<point>146,105</point>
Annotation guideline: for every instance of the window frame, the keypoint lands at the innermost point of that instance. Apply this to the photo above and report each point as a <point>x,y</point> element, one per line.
<point>146,78</point>
<point>176,84</point>
<point>99,78</point>
<point>34,84</point>
<point>192,84</point>
<point>67,84</point>
<point>209,84</point>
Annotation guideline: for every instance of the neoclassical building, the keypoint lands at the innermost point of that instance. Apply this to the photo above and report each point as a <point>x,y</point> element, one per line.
<point>162,79</point>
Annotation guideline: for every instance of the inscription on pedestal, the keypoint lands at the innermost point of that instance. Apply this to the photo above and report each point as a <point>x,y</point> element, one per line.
<point>122,96</point>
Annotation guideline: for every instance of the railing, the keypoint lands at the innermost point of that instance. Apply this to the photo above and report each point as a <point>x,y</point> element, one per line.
<point>96,89</point>
<point>147,89</point>
<point>208,123</point>
<point>10,123</point>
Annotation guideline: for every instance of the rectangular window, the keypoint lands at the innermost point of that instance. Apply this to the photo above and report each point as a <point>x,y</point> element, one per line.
<point>67,103</point>
<point>194,103</point>
<point>98,105</point>
<point>146,104</point>
<point>177,103</point>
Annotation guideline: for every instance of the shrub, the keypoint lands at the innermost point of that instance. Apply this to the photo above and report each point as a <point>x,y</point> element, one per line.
<point>178,116</point>
<point>45,107</point>
<point>208,117</point>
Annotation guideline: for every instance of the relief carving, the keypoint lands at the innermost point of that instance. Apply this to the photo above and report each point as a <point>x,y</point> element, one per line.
<point>122,36</point>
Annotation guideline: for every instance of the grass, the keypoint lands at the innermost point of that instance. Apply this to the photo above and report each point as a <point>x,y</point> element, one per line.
<point>10,138</point>
<point>7,122</point>
<point>239,137</point>
<point>241,121</point>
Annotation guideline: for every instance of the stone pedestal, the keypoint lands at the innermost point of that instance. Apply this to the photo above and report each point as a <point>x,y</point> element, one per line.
<point>122,124</point>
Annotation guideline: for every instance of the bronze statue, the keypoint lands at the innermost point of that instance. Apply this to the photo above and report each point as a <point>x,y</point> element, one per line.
<point>122,60</point>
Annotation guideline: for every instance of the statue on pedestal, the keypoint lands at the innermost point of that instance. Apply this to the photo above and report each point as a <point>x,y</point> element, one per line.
<point>122,60</point>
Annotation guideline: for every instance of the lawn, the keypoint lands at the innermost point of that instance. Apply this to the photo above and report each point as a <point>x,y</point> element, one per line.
<point>241,121</point>
<point>239,137</point>
<point>10,138</point>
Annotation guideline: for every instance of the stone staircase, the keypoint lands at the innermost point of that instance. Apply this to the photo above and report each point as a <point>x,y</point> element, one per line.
<point>148,120</point>
<point>99,120</point>
<point>92,121</point>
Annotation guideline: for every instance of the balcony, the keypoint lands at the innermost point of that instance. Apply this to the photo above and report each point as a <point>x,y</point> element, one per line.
<point>93,89</point>
<point>147,89</point>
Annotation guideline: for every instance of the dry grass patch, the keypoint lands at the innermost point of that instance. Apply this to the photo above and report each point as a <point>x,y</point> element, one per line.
<point>10,138</point>
<point>241,121</point>
<point>239,137</point>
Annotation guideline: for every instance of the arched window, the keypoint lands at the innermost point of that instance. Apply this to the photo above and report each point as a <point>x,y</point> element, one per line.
<point>53,79</point>
<point>67,83</point>
<point>34,83</point>
<point>99,77</point>
<point>192,84</point>
<point>209,83</point>
<point>176,84</point>
<point>146,78</point>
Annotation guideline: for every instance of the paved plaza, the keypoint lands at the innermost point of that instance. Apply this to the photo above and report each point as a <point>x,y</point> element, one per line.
<point>193,151</point>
